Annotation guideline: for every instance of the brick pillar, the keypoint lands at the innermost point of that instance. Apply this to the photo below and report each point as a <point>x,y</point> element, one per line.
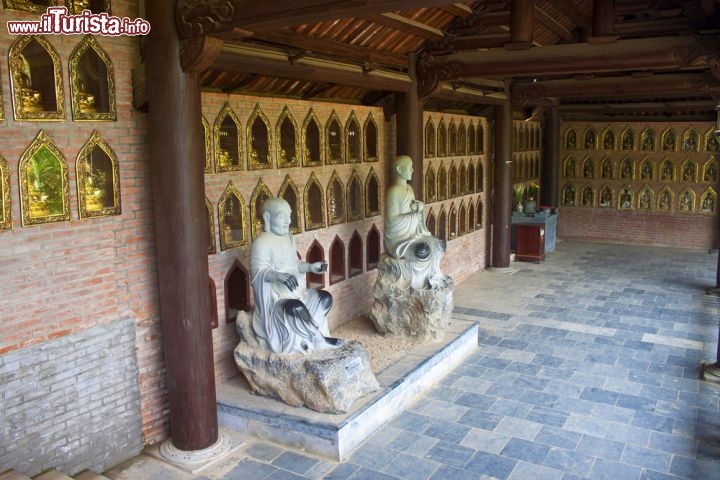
<point>409,127</point>
<point>502,186</point>
<point>177,160</point>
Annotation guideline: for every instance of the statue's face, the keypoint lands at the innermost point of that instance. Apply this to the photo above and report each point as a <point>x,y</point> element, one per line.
<point>405,170</point>
<point>279,221</point>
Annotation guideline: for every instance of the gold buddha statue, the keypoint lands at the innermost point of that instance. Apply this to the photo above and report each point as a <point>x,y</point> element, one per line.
<point>30,99</point>
<point>77,6</point>
<point>84,99</point>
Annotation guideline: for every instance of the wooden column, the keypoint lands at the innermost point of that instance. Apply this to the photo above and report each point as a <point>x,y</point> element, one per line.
<point>549,173</point>
<point>502,186</point>
<point>603,22</point>
<point>521,25</point>
<point>176,151</point>
<point>409,129</point>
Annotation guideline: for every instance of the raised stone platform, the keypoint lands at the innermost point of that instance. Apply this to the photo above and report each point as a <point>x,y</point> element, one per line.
<point>336,436</point>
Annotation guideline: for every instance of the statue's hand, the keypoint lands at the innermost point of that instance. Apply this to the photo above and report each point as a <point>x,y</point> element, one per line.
<point>318,267</point>
<point>417,206</point>
<point>286,279</point>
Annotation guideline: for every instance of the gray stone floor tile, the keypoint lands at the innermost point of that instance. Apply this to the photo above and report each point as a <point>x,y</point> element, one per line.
<point>524,471</point>
<point>294,462</point>
<point>569,461</point>
<point>409,466</point>
<point>601,447</point>
<point>646,457</point>
<point>369,474</point>
<point>608,470</point>
<point>525,450</point>
<point>490,464</point>
<point>449,454</point>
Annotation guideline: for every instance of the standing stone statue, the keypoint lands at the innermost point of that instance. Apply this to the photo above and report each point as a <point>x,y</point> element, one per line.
<point>412,296</point>
<point>285,349</point>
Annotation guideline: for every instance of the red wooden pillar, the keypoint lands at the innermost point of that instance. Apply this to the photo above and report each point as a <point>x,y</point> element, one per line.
<point>549,172</point>
<point>409,128</point>
<point>502,186</point>
<point>521,25</point>
<point>603,22</point>
<point>176,151</point>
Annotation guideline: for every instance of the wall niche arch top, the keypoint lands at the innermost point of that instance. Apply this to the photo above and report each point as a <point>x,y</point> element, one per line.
<point>479,177</point>
<point>587,196</point>
<point>479,213</point>
<point>289,192</point>
<point>471,216</point>
<point>453,187</point>
<point>258,140</point>
<point>570,139</point>
<point>645,200</point>
<point>92,82</point>
<point>371,140</point>
<point>431,222</point>
<point>311,141</point>
<point>626,198</point>
<point>627,139</point>
<point>689,171</point>
<point>98,179</point>
<point>472,139</point>
<point>336,265</point>
<point>480,139</point>
<point>373,248</point>
<point>232,218</point>
<point>208,144</point>
<point>355,254</point>
<point>462,139</point>
<point>606,168</point>
<point>314,204</point>
<point>686,201</point>
<point>43,175</point>
<point>335,200</point>
<point>711,143</point>
<point>608,139</point>
<point>442,139</point>
<point>334,144</point>
<point>710,171</point>
<point>228,141</point>
<point>667,171</point>
<point>462,219</point>
<point>355,200</point>
<point>32,6</point>
<point>442,188</point>
<point>452,139</point>
<point>708,202</point>
<point>569,196</point>
<point>605,199</point>
<point>237,291</point>
<point>669,140</point>
<point>647,140</point>
<point>471,179</point>
<point>286,134</point>
<point>353,140</point>
<point>212,244</point>
<point>665,199</point>
<point>570,167</point>
<point>5,207</point>
<point>647,169</point>
<point>372,194</point>
<point>590,139</point>
<point>430,139</point>
<point>36,80</point>
<point>627,169</point>
<point>259,196</point>
<point>462,178</point>
<point>589,168</point>
<point>442,224</point>
<point>690,140</point>
<point>430,184</point>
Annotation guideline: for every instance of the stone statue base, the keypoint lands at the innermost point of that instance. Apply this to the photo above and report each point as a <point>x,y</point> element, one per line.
<point>400,309</point>
<point>327,381</point>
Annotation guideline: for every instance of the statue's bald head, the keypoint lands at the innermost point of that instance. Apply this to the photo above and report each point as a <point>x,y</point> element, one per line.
<point>271,208</point>
<point>403,167</point>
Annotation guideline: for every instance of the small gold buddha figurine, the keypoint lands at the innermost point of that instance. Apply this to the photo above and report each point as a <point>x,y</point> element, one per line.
<point>30,99</point>
<point>77,6</point>
<point>223,158</point>
<point>84,99</point>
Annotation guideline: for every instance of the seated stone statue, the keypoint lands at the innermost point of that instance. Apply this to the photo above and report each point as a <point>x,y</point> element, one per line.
<point>289,317</point>
<point>406,235</point>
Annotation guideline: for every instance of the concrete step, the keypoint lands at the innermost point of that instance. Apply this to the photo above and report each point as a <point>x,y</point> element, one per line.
<point>12,475</point>
<point>90,475</point>
<point>52,474</point>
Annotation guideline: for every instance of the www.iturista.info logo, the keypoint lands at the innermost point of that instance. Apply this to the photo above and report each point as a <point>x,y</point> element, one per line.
<point>57,21</point>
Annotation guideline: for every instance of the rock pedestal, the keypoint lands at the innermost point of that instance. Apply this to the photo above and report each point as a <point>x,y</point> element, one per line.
<point>400,309</point>
<point>327,381</point>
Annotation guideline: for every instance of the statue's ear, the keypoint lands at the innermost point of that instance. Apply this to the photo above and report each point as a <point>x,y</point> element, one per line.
<point>266,218</point>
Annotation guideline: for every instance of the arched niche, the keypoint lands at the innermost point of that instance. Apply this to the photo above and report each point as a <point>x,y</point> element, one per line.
<point>258,140</point>
<point>355,254</point>
<point>335,200</point>
<point>36,80</point>
<point>232,218</point>
<point>430,184</point>
<point>708,202</point>
<point>452,139</point>
<point>689,171</point>
<point>311,143</point>
<point>430,139</point>
<point>462,219</point>
<point>568,195</point>
<point>627,139</point>
<point>711,143</point>
<point>590,139</point>
<point>237,291</point>
<point>76,7</point>
<point>479,177</point>
<point>646,198</point>
<point>228,141</point>
<point>287,140</point>
<point>373,248</point>
<point>5,207</point>
<point>647,140</point>
<point>43,176</point>
<point>212,291</point>
<point>315,253</point>
<point>442,224</point>
<point>588,168</point>
<point>471,180</point>
<point>32,6</point>
<point>335,147</point>
<point>627,169</point>
<point>336,267</point>
<point>710,171</point>
<point>259,196</point>
<point>587,196</point>
<point>690,140</point>
<point>605,199</point>
<point>608,139</point>
<point>289,192</point>
<point>212,244</point>
<point>453,181</point>
<point>570,167</point>
<point>372,194</point>
<point>472,139</point>
<point>442,139</point>
<point>665,200</point>
<point>669,140</point>
<point>462,139</point>
<point>314,204</point>
<point>92,82</point>
<point>479,213</point>
<point>570,140</point>
<point>98,179</point>
<point>355,200</point>
<point>431,222</point>
<point>462,178</point>
<point>516,143</point>
<point>480,138</point>
<point>647,169</point>
<point>353,140</point>
<point>686,201</point>
<point>626,198</point>
<point>667,171</point>
<point>371,140</point>
<point>442,190</point>
<point>208,144</point>
<point>471,216</point>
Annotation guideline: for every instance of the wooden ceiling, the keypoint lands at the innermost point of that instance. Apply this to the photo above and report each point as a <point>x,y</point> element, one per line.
<point>607,60</point>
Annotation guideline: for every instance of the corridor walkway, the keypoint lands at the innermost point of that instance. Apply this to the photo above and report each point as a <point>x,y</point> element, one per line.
<point>588,367</point>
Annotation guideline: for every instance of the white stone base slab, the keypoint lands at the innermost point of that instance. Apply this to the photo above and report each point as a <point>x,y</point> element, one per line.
<point>337,436</point>
<point>197,460</point>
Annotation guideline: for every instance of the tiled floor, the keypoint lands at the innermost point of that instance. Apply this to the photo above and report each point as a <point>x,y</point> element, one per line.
<point>588,367</point>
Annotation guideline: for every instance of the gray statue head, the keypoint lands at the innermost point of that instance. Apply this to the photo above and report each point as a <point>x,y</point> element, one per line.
<point>403,167</point>
<point>276,215</point>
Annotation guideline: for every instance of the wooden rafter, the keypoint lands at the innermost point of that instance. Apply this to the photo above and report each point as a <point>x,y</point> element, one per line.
<point>552,23</point>
<point>407,25</point>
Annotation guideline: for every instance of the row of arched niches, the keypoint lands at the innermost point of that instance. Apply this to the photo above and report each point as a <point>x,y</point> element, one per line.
<point>44,184</point>
<point>453,139</point>
<point>36,81</point>
<point>646,140</point>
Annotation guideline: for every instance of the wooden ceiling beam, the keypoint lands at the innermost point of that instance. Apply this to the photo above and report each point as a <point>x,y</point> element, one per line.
<point>469,95</point>
<point>407,25</point>
<point>458,9</point>
<point>568,9</point>
<point>552,23</point>
<point>640,107</point>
